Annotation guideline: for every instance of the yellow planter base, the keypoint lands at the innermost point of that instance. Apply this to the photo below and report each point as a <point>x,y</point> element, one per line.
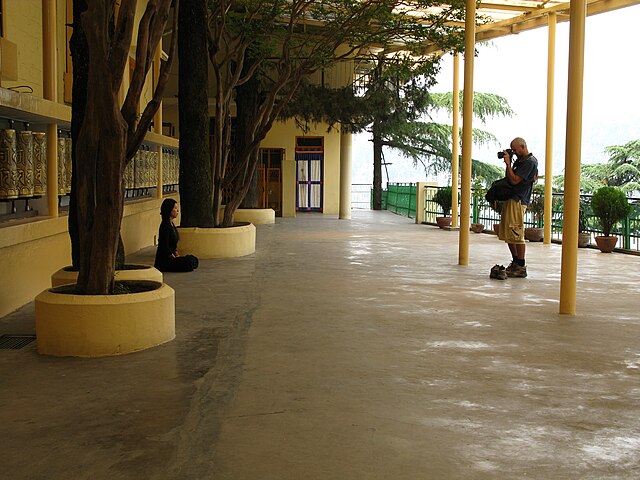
<point>218,242</point>
<point>101,325</point>
<point>257,216</point>
<point>147,272</point>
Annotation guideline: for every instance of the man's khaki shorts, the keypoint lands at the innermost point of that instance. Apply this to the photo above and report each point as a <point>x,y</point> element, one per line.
<point>512,222</point>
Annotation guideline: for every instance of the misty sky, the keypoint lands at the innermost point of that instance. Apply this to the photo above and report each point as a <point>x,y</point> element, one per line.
<point>516,68</point>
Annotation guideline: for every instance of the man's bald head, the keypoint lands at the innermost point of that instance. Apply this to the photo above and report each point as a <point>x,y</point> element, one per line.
<point>519,146</point>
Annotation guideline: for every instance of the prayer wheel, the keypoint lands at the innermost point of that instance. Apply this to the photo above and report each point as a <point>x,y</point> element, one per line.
<point>8,164</point>
<point>62,174</point>
<point>68,162</point>
<point>24,164</point>
<point>39,164</point>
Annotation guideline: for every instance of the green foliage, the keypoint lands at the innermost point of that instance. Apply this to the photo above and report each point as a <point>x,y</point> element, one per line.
<point>583,216</point>
<point>443,198</point>
<point>610,206</point>
<point>536,207</point>
<point>622,170</point>
<point>478,188</point>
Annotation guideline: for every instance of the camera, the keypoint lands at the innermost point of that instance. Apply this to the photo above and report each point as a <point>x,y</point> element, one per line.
<point>509,151</point>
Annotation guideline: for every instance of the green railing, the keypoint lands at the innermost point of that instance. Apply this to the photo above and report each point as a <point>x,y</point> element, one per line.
<point>628,231</point>
<point>399,198</point>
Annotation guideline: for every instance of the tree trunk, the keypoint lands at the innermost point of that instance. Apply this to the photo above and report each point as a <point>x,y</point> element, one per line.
<point>80,55</point>
<point>377,170</point>
<point>248,101</point>
<point>102,147</point>
<point>196,181</point>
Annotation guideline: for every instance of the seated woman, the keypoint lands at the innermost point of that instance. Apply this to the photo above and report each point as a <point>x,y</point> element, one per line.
<point>167,257</point>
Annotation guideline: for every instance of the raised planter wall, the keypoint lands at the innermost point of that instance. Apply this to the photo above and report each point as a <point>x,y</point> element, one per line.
<point>218,242</point>
<point>146,272</point>
<point>257,216</point>
<point>102,325</point>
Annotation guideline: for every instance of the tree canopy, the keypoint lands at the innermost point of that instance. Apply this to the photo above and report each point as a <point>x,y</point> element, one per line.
<point>622,170</point>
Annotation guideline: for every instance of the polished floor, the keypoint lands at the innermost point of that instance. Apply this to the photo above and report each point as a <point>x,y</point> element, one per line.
<point>348,349</point>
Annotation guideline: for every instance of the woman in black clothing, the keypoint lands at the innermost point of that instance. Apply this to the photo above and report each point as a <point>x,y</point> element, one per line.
<point>167,257</point>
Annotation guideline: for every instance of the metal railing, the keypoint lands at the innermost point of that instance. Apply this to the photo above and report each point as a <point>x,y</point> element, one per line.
<point>361,194</point>
<point>627,231</point>
<point>400,198</point>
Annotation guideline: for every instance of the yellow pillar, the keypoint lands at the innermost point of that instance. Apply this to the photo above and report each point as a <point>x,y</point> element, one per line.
<point>455,144</point>
<point>467,139</point>
<point>572,158</point>
<point>345,175</point>
<point>50,92</point>
<point>548,163</point>
<point>157,119</point>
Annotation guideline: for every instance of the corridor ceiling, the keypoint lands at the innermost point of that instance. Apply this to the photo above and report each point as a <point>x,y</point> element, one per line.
<point>506,17</point>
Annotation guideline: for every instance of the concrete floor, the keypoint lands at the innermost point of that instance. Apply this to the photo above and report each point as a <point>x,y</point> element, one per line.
<point>348,350</point>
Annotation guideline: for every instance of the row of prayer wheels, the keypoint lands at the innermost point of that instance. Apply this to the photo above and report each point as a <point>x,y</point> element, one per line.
<point>23,165</point>
<point>142,170</point>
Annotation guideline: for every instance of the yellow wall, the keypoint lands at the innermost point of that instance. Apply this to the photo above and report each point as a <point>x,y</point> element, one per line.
<point>283,135</point>
<point>32,251</point>
<point>23,26</point>
<point>29,254</point>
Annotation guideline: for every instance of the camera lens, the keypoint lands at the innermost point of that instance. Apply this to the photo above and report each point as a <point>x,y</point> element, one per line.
<point>500,154</point>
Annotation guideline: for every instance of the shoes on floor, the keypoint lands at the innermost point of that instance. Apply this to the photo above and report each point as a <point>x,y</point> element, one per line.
<point>498,272</point>
<point>517,271</point>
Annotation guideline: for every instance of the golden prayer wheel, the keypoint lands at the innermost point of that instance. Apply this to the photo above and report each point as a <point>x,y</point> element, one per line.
<point>39,164</point>
<point>62,174</point>
<point>153,168</point>
<point>24,164</point>
<point>8,164</point>
<point>68,162</point>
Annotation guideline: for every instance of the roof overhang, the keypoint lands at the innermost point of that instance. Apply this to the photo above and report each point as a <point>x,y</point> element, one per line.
<point>505,17</point>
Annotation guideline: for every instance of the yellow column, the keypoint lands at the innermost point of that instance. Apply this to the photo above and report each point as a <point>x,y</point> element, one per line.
<point>467,115</point>
<point>50,92</point>
<point>572,158</point>
<point>548,162</point>
<point>157,119</point>
<point>345,175</point>
<point>455,144</point>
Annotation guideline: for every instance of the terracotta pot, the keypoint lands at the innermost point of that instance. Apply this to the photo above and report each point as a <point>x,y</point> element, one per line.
<point>496,228</point>
<point>584,239</point>
<point>477,227</point>
<point>606,244</point>
<point>534,234</point>
<point>443,222</point>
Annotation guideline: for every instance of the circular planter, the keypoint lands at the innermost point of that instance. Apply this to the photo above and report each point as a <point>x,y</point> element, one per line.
<point>235,241</point>
<point>100,325</point>
<point>496,228</point>
<point>606,244</point>
<point>584,239</point>
<point>443,222</point>
<point>66,276</point>
<point>477,227</point>
<point>257,216</point>
<point>534,234</point>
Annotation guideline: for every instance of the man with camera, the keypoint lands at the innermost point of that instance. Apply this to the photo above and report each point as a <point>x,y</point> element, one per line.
<point>523,172</point>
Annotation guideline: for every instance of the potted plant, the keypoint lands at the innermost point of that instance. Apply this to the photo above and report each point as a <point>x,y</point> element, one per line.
<point>536,207</point>
<point>478,191</point>
<point>610,206</point>
<point>443,198</point>
<point>584,237</point>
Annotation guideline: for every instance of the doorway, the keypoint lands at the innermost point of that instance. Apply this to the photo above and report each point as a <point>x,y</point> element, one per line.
<point>270,179</point>
<point>309,174</point>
